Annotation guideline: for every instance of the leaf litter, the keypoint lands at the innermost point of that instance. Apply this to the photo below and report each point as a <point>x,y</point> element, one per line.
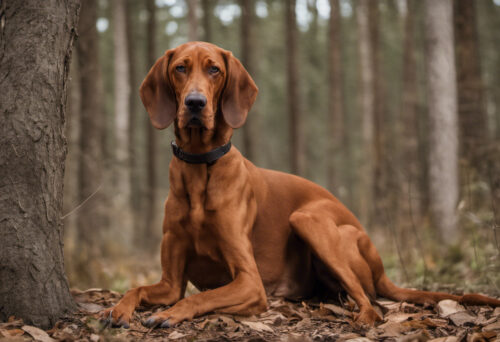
<point>285,321</point>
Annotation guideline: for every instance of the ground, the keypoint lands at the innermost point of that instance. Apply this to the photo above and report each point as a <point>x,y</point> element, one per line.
<point>284,321</point>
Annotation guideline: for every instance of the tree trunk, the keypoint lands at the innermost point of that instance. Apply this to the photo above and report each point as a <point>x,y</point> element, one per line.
<point>335,98</point>
<point>35,54</point>
<point>148,236</point>
<point>293,91</point>
<point>247,41</point>
<point>408,128</point>
<point>91,215</point>
<point>442,100</point>
<point>471,110</point>
<point>208,12</point>
<point>367,105</point>
<point>192,19</point>
<point>135,184</point>
<point>122,214</point>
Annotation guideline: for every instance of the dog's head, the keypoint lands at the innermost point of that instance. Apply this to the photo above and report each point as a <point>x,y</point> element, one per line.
<point>193,83</point>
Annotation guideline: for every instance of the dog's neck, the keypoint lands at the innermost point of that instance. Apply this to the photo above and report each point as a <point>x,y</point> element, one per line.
<point>199,140</point>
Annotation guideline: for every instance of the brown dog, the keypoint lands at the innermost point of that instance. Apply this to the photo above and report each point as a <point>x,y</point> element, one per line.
<point>236,231</point>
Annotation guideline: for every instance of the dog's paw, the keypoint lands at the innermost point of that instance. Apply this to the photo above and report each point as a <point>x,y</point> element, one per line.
<point>114,318</point>
<point>367,318</point>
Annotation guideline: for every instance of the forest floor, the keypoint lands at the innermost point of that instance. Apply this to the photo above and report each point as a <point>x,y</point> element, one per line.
<point>284,321</point>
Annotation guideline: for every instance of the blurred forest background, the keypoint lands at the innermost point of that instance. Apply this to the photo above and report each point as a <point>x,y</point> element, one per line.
<point>348,98</point>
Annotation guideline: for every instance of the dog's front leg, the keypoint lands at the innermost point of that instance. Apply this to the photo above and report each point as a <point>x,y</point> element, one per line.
<point>244,295</point>
<point>168,291</point>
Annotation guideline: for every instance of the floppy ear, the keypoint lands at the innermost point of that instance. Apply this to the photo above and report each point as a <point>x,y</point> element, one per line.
<point>157,94</point>
<point>239,93</point>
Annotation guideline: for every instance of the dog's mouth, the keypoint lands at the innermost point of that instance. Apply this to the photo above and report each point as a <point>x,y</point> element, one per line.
<point>194,122</point>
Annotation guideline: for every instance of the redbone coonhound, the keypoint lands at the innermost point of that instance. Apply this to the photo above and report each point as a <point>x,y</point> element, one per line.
<point>239,232</point>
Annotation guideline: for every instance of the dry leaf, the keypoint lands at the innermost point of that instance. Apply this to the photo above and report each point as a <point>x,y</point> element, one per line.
<point>37,334</point>
<point>492,326</point>
<point>94,338</point>
<point>444,339</point>
<point>462,318</point>
<point>258,326</point>
<point>175,335</point>
<point>337,310</point>
<point>421,336</point>
<point>448,307</point>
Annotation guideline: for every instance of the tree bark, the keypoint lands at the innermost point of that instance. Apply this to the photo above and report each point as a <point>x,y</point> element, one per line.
<point>296,144</point>
<point>443,130</point>
<point>192,19</point>
<point>122,214</point>
<point>148,236</point>
<point>408,129</point>
<point>91,215</point>
<point>247,42</point>
<point>208,9</point>
<point>471,110</point>
<point>335,98</point>
<point>367,105</point>
<point>36,39</point>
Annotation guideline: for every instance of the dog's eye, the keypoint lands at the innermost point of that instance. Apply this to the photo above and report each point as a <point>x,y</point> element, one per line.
<point>213,69</point>
<point>180,68</point>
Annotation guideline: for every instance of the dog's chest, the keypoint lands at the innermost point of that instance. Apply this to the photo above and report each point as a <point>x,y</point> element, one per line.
<point>197,216</point>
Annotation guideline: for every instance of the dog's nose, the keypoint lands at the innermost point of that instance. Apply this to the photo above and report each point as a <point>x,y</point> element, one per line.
<point>195,102</point>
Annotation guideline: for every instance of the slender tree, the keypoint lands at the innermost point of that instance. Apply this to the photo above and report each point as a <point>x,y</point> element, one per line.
<point>247,58</point>
<point>91,215</point>
<point>147,237</point>
<point>35,56</point>
<point>408,128</point>
<point>208,9</point>
<point>473,121</point>
<point>442,101</point>
<point>367,105</point>
<point>192,19</point>
<point>135,184</point>
<point>122,214</point>
<point>296,144</point>
<point>335,97</point>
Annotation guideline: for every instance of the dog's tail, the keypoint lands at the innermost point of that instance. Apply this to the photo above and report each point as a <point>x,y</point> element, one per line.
<point>389,290</point>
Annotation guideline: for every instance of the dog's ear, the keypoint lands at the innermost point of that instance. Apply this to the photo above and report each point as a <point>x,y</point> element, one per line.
<point>239,93</point>
<point>157,94</point>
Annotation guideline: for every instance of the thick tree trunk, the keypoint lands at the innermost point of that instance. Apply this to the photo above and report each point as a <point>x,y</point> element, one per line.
<point>296,144</point>
<point>192,19</point>
<point>471,110</point>
<point>443,129</point>
<point>91,215</point>
<point>247,50</point>
<point>148,236</point>
<point>335,98</point>
<point>367,105</point>
<point>36,38</point>
<point>122,215</point>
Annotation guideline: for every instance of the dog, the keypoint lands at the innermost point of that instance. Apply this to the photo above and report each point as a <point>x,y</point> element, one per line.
<point>239,232</point>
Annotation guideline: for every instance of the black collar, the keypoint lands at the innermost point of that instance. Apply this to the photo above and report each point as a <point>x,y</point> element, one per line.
<point>208,158</point>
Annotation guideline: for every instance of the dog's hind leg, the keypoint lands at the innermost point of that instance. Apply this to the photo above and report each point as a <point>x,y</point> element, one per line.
<point>337,247</point>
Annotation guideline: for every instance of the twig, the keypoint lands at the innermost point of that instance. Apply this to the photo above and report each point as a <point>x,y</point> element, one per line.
<point>81,204</point>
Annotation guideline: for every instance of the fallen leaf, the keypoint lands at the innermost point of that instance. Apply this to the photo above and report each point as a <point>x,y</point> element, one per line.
<point>448,307</point>
<point>359,339</point>
<point>91,307</point>
<point>462,318</point>
<point>258,326</point>
<point>482,336</point>
<point>421,336</point>
<point>337,310</point>
<point>37,334</point>
<point>492,326</point>
<point>399,317</point>
<point>444,339</point>
<point>175,335</point>
<point>94,338</point>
